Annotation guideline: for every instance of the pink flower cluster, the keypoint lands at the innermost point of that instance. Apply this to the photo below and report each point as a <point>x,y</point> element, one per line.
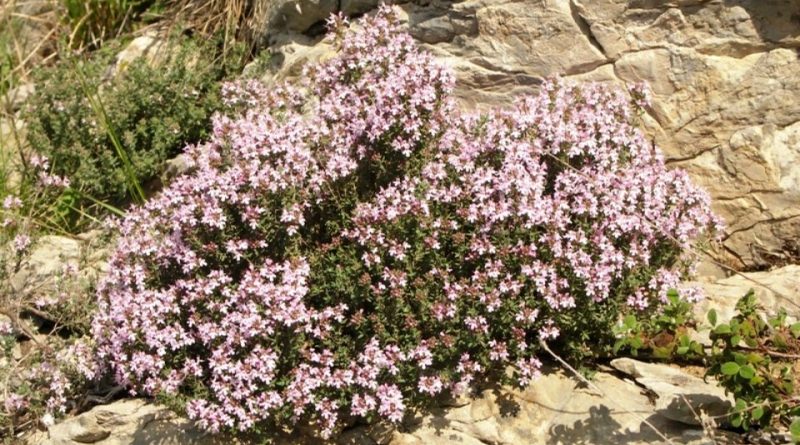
<point>472,236</point>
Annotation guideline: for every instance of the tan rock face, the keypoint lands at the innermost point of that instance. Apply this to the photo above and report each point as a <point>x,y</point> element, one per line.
<point>725,77</point>
<point>125,422</point>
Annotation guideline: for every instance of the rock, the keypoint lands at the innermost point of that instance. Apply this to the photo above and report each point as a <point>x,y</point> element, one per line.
<point>555,409</point>
<point>153,48</point>
<point>292,53</point>
<point>131,421</point>
<point>51,254</point>
<point>16,97</point>
<point>12,138</point>
<point>297,16</point>
<point>353,7</point>
<point>778,289</point>
<point>681,396</point>
<point>46,260</point>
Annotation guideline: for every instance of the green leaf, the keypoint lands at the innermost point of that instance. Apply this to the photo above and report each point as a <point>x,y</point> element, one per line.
<point>672,296</point>
<point>722,329</point>
<point>683,350</point>
<point>747,372</point>
<point>757,413</point>
<point>754,358</point>
<point>736,339</point>
<point>712,317</point>
<point>795,429</point>
<point>730,368</point>
<point>795,328</point>
<point>629,321</point>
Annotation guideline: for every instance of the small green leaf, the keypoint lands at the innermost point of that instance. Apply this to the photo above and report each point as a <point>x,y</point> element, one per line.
<point>672,296</point>
<point>682,350</point>
<point>730,368</point>
<point>629,321</point>
<point>757,413</point>
<point>735,340</point>
<point>795,328</point>
<point>722,329</point>
<point>747,372</point>
<point>795,429</point>
<point>712,317</point>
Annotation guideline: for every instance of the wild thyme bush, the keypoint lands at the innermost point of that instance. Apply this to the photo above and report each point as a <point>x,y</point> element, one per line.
<point>358,246</point>
<point>153,111</point>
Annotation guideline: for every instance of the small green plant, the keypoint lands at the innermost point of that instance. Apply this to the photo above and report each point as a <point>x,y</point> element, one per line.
<point>664,335</point>
<point>43,360</point>
<point>110,136</point>
<point>755,359</point>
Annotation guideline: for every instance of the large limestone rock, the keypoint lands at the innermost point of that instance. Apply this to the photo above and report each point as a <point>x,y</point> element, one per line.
<point>132,421</point>
<point>725,78</point>
<point>775,290</point>
<point>555,409</point>
<point>680,396</point>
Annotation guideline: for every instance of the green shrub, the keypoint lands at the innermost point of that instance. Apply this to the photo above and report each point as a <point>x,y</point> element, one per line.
<point>752,357</point>
<point>755,360</point>
<point>663,335</point>
<point>111,136</point>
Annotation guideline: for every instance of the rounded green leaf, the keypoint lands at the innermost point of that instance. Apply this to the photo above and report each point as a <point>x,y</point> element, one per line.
<point>730,368</point>
<point>757,413</point>
<point>712,317</point>
<point>722,329</point>
<point>747,372</point>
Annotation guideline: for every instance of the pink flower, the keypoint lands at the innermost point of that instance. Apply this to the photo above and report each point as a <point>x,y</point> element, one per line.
<point>391,402</point>
<point>21,243</point>
<point>430,385</point>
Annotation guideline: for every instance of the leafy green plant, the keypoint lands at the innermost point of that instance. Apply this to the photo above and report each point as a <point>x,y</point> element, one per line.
<point>754,359</point>
<point>664,335</point>
<point>110,136</point>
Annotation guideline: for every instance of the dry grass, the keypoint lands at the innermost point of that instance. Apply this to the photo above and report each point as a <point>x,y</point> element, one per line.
<point>236,20</point>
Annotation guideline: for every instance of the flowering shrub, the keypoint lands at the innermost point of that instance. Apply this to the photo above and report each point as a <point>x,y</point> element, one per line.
<point>357,246</point>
